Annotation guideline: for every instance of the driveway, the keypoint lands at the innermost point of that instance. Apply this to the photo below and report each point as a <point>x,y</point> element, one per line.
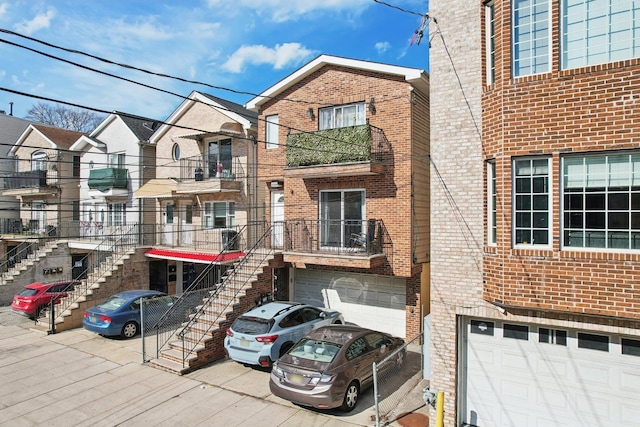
<point>77,378</point>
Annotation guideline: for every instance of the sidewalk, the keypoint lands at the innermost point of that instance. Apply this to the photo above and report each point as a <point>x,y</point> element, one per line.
<point>77,378</point>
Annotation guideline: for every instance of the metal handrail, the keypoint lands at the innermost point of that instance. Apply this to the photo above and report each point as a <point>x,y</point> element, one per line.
<point>25,249</point>
<point>105,255</point>
<point>225,294</point>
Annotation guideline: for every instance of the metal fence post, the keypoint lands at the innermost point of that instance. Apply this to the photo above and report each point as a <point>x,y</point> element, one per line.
<point>142,327</point>
<point>52,316</point>
<point>375,394</point>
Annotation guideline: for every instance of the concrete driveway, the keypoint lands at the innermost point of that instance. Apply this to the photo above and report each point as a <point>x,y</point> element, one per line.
<point>77,378</point>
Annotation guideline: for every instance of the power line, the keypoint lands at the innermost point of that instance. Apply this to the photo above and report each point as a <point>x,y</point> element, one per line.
<point>397,8</point>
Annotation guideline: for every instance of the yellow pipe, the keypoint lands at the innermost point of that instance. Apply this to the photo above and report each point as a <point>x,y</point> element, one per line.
<point>440,409</point>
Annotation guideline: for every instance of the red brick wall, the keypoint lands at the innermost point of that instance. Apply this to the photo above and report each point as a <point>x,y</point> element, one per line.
<point>576,111</point>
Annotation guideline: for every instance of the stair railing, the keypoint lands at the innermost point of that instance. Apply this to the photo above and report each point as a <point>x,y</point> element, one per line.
<point>225,295</point>
<point>104,256</point>
<point>26,249</point>
<point>185,305</point>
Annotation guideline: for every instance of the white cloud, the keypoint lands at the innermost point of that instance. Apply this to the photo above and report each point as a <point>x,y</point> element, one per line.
<point>40,21</point>
<point>281,56</point>
<point>382,47</point>
<point>3,8</point>
<point>287,10</point>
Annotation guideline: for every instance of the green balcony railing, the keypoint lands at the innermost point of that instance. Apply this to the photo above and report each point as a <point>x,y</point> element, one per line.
<point>361,143</point>
<point>107,178</point>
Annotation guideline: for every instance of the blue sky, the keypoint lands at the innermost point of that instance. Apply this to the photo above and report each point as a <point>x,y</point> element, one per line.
<point>243,45</point>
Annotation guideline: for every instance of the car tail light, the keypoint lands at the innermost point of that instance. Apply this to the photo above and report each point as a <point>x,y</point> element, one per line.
<point>229,332</point>
<point>324,379</point>
<point>268,339</point>
<point>86,314</point>
<point>105,319</point>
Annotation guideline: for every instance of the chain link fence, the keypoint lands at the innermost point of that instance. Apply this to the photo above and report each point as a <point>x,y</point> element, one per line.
<point>398,382</point>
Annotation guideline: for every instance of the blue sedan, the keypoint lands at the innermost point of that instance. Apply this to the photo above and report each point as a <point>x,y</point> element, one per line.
<point>120,313</point>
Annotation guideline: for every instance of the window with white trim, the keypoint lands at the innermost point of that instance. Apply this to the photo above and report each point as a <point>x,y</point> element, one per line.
<point>117,160</point>
<point>272,131</point>
<point>601,201</point>
<point>532,207</point>
<point>490,30</point>
<point>531,37</point>
<point>342,116</point>
<point>492,196</point>
<point>117,214</point>
<point>599,31</point>
<point>39,161</point>
<point>219,215</point>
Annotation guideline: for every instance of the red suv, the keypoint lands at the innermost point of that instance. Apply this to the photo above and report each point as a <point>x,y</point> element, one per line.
<point>37,296</point>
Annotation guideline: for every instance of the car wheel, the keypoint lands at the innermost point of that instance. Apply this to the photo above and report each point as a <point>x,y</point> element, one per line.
<point>285,347</point>
<point>350,397</point>
<point>129,330</point>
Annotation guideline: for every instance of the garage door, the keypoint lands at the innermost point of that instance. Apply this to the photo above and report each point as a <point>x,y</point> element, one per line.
<point>533,376</point>
<point>377,302</point>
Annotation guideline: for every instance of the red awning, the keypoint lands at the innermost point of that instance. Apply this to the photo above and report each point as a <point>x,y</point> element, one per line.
<point>199,257</point>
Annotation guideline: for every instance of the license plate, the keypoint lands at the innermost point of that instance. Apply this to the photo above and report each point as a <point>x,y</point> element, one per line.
<point>244,343</point>
<point>296,378</point>
<point>94,319</point>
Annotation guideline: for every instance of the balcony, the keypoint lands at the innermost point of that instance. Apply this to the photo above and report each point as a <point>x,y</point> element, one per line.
<point>202,174</point>
<point>108,182</point>
<point>29,182</point>
<point>340,243</point>
<point>349,151</point>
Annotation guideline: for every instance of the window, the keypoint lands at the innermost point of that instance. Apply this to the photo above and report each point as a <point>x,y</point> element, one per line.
<point>168,214</point>
<point>37,216</point>
<point>75,210</point>
<point>490,29</point>
<point>492,197</point>
<point>342,215</point>
<point>342,116</point>
<point>188,214</point>
<point>219,214</point>
<point>518,332</point>
<point>481,327</point>
<point>76,166</point>
<point>593,342</point>
<point>272,131</point>
<point>39,161</point>
<point>552,336</point>
<point>117,214</point>
<point>117,160</point>
<point>175,152</point>
<point>531,37</point>
<point>599,31</point>
<point>532,202</point>
<point>220,158</point>
<point>630,347</point>
<point>357,348</point>
<point>601,201</point>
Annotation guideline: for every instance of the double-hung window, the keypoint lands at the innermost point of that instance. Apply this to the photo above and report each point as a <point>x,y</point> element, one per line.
<point>117,160</point>
<point>490,30</point>
<point>492,196</point>
<point>532,207</point>
<point>599,31</point>
<point>531,35</point>
<point>342,116</point>
<point>117,214</point>
<point>38,161</point>
<point>601,201</point>
<point>219,214</point>
<point>272,131</point>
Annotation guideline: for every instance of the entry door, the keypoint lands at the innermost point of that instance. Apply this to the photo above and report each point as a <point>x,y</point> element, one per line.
<point>186,222</point>
<point>277,218</point>
<point>158,276</point>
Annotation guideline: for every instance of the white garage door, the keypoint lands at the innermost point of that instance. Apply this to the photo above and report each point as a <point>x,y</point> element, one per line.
<point>376,302</point>
<point>534,376</point>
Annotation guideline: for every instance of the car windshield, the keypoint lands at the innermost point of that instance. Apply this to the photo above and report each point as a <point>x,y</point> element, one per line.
<point>319,351</point>
<point>28,292</point>
<point>251,325</point>
<point>112,303</point>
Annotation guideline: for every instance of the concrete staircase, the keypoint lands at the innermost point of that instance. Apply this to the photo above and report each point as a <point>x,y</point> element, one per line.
<point>27,263</point>
<point>201,340</point>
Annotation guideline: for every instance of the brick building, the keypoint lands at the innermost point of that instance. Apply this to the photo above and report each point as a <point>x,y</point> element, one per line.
<point>341,154</point>
<point>535,212</point>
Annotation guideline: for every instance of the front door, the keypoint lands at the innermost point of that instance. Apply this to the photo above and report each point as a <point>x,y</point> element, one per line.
<point>277,218</point>
<point>158,276</point>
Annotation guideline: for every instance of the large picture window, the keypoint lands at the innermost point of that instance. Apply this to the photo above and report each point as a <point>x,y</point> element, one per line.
<point>342,116</point>
<point>219,214</point>
<point>601,201</point>
<point>531,35</point>
<point>342,214</point>
<point>532,201</point>
<point>599,31</point>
